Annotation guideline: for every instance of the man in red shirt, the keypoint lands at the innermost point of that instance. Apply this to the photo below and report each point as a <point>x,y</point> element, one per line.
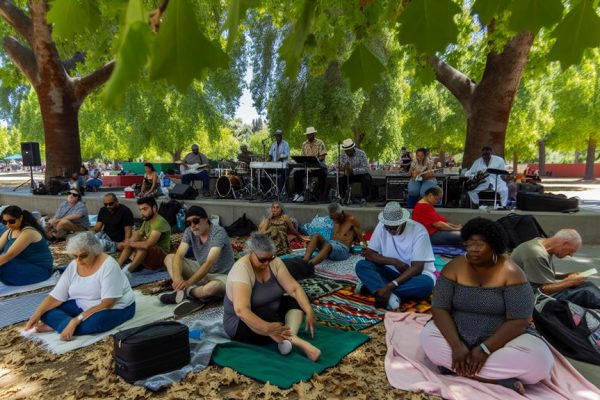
<point>441,232</point>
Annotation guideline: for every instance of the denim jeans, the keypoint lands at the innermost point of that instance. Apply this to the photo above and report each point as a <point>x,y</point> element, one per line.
<point>202,176</point>
<point>18,273</point>
<point>586,295</point>
<point>446,238</point>
<point>101,321</point>
<point>375,276</point>
<point>417,189</point>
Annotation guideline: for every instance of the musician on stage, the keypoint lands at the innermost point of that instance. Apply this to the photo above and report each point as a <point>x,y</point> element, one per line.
<point>354,164</point>
<point>477,171</point>
<point>195,167</point>
<point>316,148</point>
<point>245,155</point>
<point>405,159</point>
<point>422,176</point>
<point>280,151</point>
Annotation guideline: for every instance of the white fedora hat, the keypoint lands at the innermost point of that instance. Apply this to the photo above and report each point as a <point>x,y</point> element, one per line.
<point>310,130</point>
<point>393,214</point>
<point>348,144</point>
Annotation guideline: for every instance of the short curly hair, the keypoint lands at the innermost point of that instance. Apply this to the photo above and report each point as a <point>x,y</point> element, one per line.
<point>493,233</point>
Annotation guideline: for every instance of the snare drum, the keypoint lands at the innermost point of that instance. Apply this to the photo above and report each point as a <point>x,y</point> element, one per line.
<point>226,184</point>
<point>242,168</point>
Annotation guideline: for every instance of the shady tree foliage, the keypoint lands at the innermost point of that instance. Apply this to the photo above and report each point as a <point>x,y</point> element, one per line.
<point>67,48</point>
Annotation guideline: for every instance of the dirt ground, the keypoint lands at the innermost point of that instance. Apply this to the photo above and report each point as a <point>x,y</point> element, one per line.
<point>27,372</point>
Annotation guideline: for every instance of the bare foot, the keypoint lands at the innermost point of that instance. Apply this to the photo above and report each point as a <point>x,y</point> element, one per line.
<point>514,384</point>
<point>311,351</point>
<point>42,328</point>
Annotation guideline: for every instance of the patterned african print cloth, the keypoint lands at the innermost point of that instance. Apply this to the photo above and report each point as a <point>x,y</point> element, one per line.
<point>347,310</point>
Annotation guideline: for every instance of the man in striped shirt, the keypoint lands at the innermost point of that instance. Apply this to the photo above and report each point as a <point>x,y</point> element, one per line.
<point>354,163</point>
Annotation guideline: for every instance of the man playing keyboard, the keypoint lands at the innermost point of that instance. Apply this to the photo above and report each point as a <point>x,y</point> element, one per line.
<point>316,148</point>
<point>280,151</point>
<point>194,167</point>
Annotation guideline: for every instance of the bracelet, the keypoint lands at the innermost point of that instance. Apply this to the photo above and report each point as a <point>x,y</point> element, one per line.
<point>395,283</point>
<point>485,348</point>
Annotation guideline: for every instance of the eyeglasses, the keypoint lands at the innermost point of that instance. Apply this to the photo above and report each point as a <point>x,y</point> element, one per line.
<point>394,230</point>
<point>193,221</point>
<point>9,221</point>
<point>73,194</point>
<point>109,204</point>
<point>81,256</point>
<point>264,259</point>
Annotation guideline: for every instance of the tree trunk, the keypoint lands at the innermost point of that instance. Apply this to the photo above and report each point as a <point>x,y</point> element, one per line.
<point>515,162</point>
<point>442,158</point>
<point>61,132</point>
<point>176,155</point>
<point>487,104</point>
<point>589,161</point>
<point>541,157</point>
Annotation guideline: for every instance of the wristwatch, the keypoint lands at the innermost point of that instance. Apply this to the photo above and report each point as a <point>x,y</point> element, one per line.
<point>80,317</point>
<point>395,283</point>
<point>485,348</point>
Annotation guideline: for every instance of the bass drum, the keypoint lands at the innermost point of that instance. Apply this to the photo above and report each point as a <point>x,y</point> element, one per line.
<point>227,184</point>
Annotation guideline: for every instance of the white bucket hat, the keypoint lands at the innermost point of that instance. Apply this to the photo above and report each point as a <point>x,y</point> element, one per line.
<point>309,130</point>
<point>393,214</point>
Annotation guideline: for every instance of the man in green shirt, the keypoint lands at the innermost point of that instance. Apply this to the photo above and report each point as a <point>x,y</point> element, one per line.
<point>149,246</point>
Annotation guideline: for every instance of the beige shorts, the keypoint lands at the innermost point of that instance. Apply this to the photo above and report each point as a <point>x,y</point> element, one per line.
<point>190,266</point>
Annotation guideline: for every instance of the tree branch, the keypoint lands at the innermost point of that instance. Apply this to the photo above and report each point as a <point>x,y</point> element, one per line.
<point>460,85</point>
<point>85,85</point>
<point>71,63</point>
<point>22,57</point>
<point>17,19</point>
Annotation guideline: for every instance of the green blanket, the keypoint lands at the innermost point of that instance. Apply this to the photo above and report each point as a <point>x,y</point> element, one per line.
<point>265,364</point>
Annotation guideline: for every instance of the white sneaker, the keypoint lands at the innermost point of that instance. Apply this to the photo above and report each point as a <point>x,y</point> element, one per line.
<point>126,270</point>
<point>300,199</point>
<point>393,302</point>
<point>285,347</point>
<point>295,197</point>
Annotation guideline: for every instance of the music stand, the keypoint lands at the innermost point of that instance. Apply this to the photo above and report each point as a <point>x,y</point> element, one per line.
<point>308,162</point>
<point>30,181</point>
<point>496,172</point>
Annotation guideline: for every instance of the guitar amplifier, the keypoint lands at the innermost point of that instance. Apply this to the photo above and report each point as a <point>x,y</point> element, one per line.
<point>396,189</point>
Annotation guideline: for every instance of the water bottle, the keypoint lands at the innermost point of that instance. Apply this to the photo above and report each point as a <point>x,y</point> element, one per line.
<point>181,219</point>
<point>197,334</point>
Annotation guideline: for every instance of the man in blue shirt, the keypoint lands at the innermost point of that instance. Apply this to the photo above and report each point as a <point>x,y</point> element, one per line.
<point>280,151</point>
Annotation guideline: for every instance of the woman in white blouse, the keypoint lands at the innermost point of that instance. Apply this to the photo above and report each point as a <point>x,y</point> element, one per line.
<point>93,295</point>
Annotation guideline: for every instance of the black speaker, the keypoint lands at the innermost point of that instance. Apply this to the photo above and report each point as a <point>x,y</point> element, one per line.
<point>396,188</point>
<point>183,192</point>
<point>30,151</point>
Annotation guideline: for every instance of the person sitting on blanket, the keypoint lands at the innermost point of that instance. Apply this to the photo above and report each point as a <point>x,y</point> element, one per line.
<point>150,245</point>
<point>114,224</point>
<point>277,225</point>
<point>345,230</point>
<point>71,216</point>
<point>202,278</point>
<point>25,257</point>
<point>93,295</point>
<point>535,257</point>
<point>255,306</point>
<point>482,308</point>
<point>151,182</point>
<point>398,261</point>
<point>440,231</point>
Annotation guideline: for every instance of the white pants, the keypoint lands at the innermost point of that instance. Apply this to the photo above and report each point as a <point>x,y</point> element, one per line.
<point>502,191</point>
<point>526,357</point>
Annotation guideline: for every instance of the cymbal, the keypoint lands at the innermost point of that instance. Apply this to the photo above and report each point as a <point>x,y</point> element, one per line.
<point>496,171</point>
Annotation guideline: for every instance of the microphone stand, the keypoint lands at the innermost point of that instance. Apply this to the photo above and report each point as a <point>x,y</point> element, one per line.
<point>338,196</point>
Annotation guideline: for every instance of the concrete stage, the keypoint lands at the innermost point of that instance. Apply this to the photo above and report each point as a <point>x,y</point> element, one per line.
<point>587,222</point>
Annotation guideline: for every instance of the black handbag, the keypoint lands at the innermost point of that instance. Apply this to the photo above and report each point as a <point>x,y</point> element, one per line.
<point>151,349</point>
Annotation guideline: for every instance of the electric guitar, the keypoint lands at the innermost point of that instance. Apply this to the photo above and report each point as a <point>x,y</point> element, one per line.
<point>477,180</point>
<point>419,176</point>
<point>192,168</point>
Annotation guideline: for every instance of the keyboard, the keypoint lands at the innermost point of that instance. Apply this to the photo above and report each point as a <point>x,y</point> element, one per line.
<point>267,165</point>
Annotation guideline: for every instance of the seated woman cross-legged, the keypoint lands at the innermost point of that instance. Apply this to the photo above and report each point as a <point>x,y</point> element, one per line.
<point>256,310</point>
<point>277,224</point>
<point>482,307</point>
<point>93,295</point>
<point>440,231</point>
<point>25,258</point>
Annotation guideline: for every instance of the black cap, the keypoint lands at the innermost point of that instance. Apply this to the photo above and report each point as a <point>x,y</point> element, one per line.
<point>196,211</point>
<point>279,132</point>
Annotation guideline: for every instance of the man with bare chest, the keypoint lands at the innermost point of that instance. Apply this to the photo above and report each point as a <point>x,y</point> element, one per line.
<point>345,230</point>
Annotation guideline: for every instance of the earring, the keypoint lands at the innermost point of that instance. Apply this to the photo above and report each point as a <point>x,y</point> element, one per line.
<point>495,258</point>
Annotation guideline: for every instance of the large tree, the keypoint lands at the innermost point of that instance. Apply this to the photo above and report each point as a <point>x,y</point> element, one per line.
<point>60,95</point>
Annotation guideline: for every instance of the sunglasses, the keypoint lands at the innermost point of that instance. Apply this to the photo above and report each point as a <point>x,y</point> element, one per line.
<point>81,256</point>
<point>109,204</point>
<point>394,229</point>
<point>9,221</point>
<point>193,221</point>
<point>73,194</point>
<point>264,259</point>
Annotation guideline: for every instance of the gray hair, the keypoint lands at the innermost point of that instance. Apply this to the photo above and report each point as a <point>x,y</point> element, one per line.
<point>335,208</point>
<point>261,243</point>
<point>85,242</point>
<point>570,235</point>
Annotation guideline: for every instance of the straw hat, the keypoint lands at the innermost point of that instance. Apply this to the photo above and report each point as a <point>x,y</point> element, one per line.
<point>310,130</point>
<point>348,144</point>
<point>393,214</point>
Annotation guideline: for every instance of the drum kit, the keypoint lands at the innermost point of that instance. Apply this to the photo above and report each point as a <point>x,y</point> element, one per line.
<point>230,180</point>
<point>247,181</point>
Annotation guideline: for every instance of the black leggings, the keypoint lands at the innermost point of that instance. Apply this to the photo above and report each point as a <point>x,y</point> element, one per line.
<point>247,335</point>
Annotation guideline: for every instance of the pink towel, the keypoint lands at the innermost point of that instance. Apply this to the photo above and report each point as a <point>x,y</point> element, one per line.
<point>407,368</point>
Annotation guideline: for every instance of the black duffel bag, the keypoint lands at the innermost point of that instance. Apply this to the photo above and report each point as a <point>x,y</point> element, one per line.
<point>151,349</point>
<point>546,202</point>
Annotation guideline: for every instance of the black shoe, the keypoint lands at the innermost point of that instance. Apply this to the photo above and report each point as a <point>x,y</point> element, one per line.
<point>172,297</point>
<point>188,306</point>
